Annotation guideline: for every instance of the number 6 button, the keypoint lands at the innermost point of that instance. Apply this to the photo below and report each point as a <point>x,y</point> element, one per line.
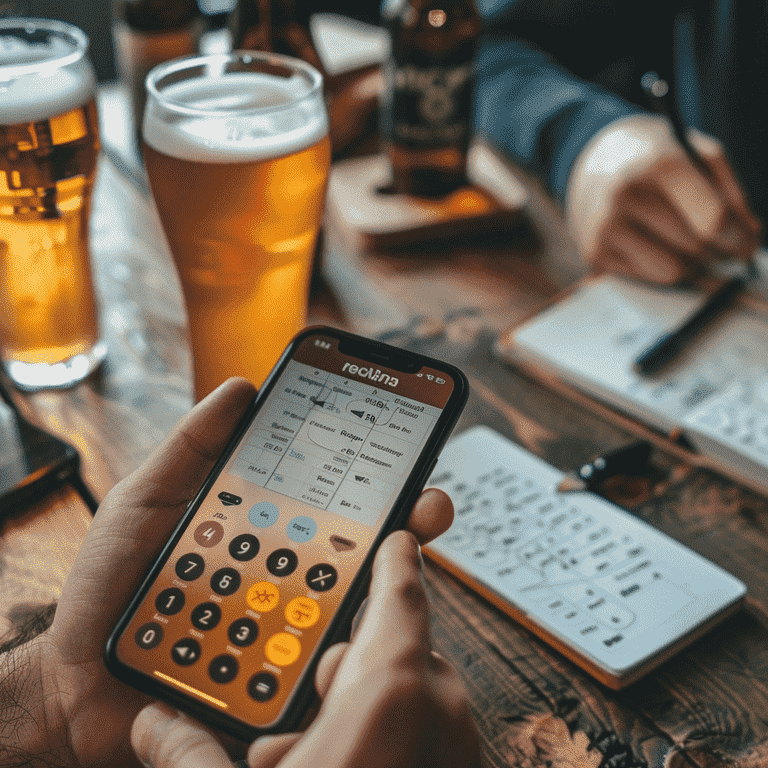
<point>226,581</point>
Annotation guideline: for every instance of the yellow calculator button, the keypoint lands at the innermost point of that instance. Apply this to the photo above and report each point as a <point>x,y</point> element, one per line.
<point>262,596</point>
<point>282,649</point>
<point>302,612</point>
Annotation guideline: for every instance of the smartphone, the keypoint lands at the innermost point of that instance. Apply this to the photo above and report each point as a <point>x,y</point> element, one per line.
<point>32,462</point>
<point>270,562</point>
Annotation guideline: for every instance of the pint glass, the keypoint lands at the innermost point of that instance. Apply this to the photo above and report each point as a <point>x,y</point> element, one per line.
<point>237,152</point>
<point>48,146</point>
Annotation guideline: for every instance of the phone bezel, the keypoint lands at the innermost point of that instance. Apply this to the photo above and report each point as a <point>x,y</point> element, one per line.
<point>339,628</point>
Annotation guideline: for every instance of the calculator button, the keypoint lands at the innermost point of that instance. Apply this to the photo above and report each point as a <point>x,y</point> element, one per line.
<point>244,547</point>
<point>186,651</point>
<point>243,632</point>
<point>223,669</point>
<point>169,601</point>
<point>190,567</point>
<point>262,596</point>
<point>226,581</point>
<point>149,636</point>
<point>264,514</point>
<point>302,612</point>
<point>283,649</point>
<point>209,534</point>
<point>614,615</point>
<point>321,577</point>
<point>206,616</point>
<point>282,562</point>
<point>301,529</point>
<point>262,686</point>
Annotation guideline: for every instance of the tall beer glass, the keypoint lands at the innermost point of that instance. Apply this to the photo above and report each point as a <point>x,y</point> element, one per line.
<point>237,152</point>
<point>48,146</point>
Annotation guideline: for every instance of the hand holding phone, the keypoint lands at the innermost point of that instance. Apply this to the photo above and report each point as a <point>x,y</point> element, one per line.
<point>270,562</point>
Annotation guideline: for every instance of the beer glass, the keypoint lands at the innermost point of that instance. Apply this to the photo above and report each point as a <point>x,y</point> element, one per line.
<point>237,152</point>
<point>48,146</point>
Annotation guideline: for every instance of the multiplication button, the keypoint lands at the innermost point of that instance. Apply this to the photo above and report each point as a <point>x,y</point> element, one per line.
<point>321,577</point>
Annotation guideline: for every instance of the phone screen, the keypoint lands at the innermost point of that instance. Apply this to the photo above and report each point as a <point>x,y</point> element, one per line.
<point>250,587</point>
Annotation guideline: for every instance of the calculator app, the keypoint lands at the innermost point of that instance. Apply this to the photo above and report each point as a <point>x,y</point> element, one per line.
<point>253,582</point>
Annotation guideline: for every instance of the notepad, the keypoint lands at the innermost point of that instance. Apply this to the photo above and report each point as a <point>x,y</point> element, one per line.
<point>715,393</point>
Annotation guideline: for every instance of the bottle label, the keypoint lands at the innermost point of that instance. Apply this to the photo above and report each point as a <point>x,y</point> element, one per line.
<point>430,105</point>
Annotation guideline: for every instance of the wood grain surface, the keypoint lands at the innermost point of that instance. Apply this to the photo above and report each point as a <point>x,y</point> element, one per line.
<point>706,707</point>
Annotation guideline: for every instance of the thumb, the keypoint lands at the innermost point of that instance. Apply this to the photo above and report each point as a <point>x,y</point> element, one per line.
<point>161,737</point>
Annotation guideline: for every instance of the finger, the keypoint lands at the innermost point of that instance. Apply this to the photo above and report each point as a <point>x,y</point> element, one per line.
<point>327,666</point>
<point>164,738</point>
<point>136,519</point>
<point>725,178</point>
<point>268,751</point>
<point>627,250</point>
<point>432,514</point>
<point>396,622</point>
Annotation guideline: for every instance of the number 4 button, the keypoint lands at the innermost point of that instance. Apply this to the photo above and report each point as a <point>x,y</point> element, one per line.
<point>321,577</point>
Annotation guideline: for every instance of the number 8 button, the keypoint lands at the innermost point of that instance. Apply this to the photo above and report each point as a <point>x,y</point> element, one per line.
<point>226,581</point>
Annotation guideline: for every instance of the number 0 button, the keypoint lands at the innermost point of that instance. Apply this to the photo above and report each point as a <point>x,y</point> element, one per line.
<point>321,577</point>
<point>190,566</point>
<point>226,581</point>
<point>149,636</point>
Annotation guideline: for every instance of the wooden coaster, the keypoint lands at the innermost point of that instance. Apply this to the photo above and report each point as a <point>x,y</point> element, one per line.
<point>385,220</point>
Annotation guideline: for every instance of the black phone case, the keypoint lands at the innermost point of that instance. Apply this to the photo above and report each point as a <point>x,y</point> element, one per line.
<point>340,627</point>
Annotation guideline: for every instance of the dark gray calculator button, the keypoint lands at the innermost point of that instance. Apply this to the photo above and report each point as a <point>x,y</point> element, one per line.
<point>282,562</point>
<point>185,652</point>
<point>149,636</point>
<point>223,669</point>
<point>190,567</point>
<point>262,686</point>
<point>243,632</point>
<point>226,581</point>
<point>169,601</point>
<point>244,547</point>
<point>206,616</point>
<point>321,577</point>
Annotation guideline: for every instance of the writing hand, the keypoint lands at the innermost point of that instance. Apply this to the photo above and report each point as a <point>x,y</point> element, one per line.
<point>637,205</point>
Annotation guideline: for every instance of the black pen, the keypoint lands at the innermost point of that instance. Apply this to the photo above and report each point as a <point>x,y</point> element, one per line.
<point>630,460</point>
<point>668,346</point>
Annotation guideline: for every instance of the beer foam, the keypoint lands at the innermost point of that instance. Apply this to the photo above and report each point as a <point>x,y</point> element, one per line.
<point>46,93</point>
<point>249,132</point>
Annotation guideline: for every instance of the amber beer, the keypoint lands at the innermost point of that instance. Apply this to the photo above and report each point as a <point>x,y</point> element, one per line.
<point>238,157</point>
<point>48,147</point>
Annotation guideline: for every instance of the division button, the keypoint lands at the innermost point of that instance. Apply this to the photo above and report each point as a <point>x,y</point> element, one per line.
<point>206,616</point>
<point>186,651</point>
<point>282,562</point>
<point>190,567</point>
<point>169,601</point>
<point>209,534</point>
<point>149,636</point>
<point>321,577</point>
<point>244,547</point>
<point>283,649</point>
<point>302,612</point>
<point>226,581</point>
<point>243,632</point>
<point>262,596</point>
<point>262,686</point>
<point>301,529</point>
<point>223,669</point>
<point>263,514</point>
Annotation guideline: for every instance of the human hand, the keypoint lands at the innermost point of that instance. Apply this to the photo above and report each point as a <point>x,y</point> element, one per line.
<point>637,205</point>
<point>59,678</point>
<point>388,700</point>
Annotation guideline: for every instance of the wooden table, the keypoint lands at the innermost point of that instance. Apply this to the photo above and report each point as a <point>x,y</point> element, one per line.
<point>706,707</point>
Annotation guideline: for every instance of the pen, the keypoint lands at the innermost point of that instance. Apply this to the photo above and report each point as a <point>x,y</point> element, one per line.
<point>668,346</point>
<point>622,461</point>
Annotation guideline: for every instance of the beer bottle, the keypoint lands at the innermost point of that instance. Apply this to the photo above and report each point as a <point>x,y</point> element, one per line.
<point>278,27</point>
<point>427,103</point>
<point>147,33</point>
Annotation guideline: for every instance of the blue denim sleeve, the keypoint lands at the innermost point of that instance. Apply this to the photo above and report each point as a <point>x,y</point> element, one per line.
<point>536,112</point>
